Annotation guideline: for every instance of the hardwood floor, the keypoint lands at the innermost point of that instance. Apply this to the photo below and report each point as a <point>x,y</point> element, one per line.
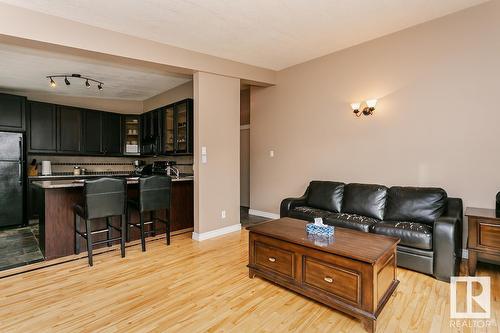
<point>201,287</point>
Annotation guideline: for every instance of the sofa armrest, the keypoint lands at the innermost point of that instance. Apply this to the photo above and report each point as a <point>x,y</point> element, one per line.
<point>290,203</point>
<point>447,240</point>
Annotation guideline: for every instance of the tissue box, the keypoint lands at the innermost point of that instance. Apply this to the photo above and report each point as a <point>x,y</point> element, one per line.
<point>320,240</point>
<point>324,230</point>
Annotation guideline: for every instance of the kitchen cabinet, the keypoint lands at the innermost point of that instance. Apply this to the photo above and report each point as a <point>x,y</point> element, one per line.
<point>42,120</point>
<point>92,134</point>
<point>178,128</point>
<point>69,130</point>
<point>12,113</point>
<point>151,130</point>
<point>169,132</point>
<point>65,130</point>
<point>112,133</point>
<point>131,142</point>
<point>183,142</point>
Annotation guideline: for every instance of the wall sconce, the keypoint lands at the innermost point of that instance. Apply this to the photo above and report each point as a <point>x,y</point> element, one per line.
<point>367,111</point>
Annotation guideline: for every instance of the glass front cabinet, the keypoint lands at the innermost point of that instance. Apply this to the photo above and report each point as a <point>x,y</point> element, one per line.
<point>132,135</point>
<point>178,128</point>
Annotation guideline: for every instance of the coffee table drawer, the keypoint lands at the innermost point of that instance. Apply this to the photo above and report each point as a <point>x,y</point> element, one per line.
<point>273,258</point>
<point>337,280</point>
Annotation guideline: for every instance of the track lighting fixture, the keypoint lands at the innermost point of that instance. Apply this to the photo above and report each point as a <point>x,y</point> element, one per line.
<point>76,76</point>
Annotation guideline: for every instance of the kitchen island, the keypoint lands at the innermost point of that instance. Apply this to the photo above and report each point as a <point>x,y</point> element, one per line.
<point>56,198</point>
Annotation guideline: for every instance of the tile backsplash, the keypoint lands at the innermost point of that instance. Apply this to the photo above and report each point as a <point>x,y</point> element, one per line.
<point>62,165</point>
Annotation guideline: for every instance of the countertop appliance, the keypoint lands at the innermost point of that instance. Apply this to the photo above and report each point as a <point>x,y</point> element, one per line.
<point>165,168</point>
<point>46,168</point>
<point>12,189</point>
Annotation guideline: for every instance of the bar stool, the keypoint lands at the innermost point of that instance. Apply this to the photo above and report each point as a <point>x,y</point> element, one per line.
<point>104,198</point>
<point>154,195</point>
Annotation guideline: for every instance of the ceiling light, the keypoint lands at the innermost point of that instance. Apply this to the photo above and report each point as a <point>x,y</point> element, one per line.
<point>88,80</point>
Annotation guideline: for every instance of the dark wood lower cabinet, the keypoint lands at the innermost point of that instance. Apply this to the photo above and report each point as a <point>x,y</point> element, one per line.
<point>55,210</point>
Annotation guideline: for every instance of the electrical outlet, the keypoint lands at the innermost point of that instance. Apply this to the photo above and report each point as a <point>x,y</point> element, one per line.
<point>223,214</point>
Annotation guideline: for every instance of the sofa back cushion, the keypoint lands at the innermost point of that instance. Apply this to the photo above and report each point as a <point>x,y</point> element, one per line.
<point>365,199</point>
<point>415,204</point>
<point>325,195</point>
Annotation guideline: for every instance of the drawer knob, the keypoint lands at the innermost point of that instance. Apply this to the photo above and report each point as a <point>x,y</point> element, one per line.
<point>328,279</point>
<point>272,259</point>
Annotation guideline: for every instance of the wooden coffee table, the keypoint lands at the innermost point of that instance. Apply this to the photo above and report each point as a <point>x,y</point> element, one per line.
<point>355,273</point>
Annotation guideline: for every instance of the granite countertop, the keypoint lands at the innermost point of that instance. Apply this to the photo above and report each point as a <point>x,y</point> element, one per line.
<point>70,183</point>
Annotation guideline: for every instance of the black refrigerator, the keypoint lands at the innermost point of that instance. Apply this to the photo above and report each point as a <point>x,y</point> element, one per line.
<point>12,189</point>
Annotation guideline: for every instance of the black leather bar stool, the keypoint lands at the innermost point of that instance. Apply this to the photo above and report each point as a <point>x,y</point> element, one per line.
<point>154,195</point>
<point>104,198</point>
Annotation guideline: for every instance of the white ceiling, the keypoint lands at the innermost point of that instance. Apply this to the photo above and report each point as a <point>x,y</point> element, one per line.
<point>24,70</point>
<point>273,34</point>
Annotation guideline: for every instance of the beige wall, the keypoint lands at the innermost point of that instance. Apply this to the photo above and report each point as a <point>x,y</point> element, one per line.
<point>170,96</point>
<point>245,167</point>
<point>217,127</point>
<point>436,124</point>
<point>103,104</point>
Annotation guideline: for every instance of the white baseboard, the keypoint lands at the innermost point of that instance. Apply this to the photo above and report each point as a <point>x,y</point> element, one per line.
<point>465,254</point>
<point>216,233</point>
<point>263,214</point>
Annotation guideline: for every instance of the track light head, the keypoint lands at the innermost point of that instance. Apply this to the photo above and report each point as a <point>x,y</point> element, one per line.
<point>99,86</point>
<point>87,84</point>
<point>66,81</point>
<point>52,83</point>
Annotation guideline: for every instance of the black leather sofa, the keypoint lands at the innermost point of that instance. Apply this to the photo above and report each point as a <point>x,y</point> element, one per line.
<point>427,222</point>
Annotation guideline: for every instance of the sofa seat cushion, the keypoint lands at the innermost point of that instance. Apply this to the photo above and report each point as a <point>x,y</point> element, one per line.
<point>308,213</point>
<point>412,234</point>
<point>365,200</point>
<point>415,204</point>
<point>351,221</point>
<point>325,195</point>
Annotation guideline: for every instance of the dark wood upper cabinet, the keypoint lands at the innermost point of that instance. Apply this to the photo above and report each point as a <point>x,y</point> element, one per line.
<point>151,132</point>
<point>131,134</point>
<point>42,121</point>
<point>12,113</point>
<point>112,133</point>
<point>178,128</point>
<point>92,132</point>
<point>70,125</point>
<point>69,130</point>
<point>183,127</point>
